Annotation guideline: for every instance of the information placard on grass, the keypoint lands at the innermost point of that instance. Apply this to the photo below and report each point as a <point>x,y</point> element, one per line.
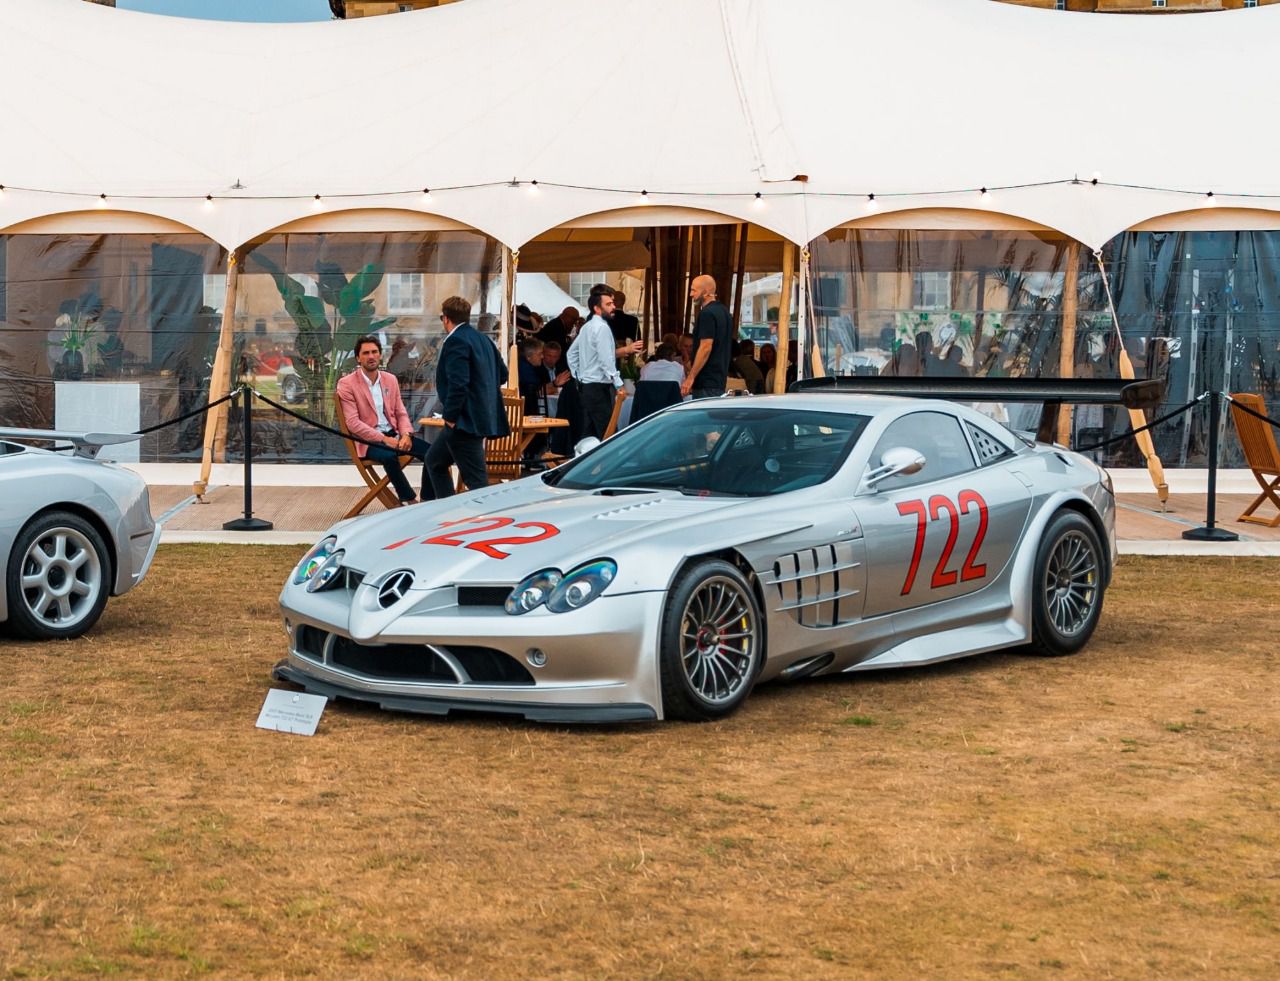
<point>291,711</point>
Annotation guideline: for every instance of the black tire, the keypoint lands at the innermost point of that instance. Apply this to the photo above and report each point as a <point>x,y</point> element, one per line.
<point>292,390</point>
<point>708,671</point>
<point>1066,586</point>
<point>70,592</point>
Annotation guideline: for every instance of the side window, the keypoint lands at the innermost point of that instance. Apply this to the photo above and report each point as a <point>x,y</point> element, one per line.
<point>938,436</point>
<point>991,448</point>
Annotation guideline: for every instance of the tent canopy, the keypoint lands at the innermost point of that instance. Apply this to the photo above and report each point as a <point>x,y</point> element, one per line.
<point>703,103</point>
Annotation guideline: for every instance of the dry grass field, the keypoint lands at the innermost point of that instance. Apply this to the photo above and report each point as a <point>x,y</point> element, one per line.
<point>1114,814</point>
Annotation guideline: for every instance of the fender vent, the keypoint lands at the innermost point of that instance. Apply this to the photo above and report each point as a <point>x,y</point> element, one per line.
<point>820,586</point>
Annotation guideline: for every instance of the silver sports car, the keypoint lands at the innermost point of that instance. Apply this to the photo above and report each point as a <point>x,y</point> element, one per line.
<point>715,545</point>
<point>72,532</point>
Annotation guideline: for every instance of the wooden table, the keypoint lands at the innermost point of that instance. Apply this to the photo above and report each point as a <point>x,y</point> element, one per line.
<point>530,426</point>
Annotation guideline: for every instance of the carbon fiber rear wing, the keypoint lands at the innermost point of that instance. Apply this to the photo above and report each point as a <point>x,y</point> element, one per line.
<point>1141,393</point>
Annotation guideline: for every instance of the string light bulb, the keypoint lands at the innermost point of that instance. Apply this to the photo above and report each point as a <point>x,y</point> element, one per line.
<point>316,203</point>
<point>533,187</point>
<point>644,197</point>
<point>871,202</point>
<point>1210,200</point>
<point>759,200</point>
<point>102,200</point>
<point>426,192</point>
<point>208,202</point>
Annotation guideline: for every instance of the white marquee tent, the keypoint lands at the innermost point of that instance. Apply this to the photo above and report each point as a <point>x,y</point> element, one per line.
<point>701,103</point>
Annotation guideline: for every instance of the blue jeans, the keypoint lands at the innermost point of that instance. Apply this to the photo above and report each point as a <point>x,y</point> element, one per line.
<point>389,460</point>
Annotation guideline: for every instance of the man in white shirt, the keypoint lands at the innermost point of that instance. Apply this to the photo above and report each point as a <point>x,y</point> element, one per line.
<point>592,364</point>
<point>663,366</point>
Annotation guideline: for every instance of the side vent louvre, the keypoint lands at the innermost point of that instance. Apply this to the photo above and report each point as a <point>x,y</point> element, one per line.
<point>819,586</point>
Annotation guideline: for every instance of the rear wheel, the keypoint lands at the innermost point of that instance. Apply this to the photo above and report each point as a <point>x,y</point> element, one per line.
<point>56,580</point>
<point>1067,586</point>
<point>712,643</point>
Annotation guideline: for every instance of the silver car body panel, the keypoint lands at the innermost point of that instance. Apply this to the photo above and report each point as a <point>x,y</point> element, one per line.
<point>34,480</point>
<point>830,564</point>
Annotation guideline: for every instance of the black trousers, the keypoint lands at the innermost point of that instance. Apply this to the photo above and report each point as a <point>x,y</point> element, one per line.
<point>389,460</point>
<point>706,393</point>
<point>597,408</point>
<point>454,447</point>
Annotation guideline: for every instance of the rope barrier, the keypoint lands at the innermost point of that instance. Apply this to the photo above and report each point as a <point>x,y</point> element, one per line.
<point>1142,429</point>
<point>356,439</point>
<point>188,415</point>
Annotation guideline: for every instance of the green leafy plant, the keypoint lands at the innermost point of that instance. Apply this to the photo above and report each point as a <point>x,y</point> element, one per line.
<point>79,320</point>
<point>328,325</point>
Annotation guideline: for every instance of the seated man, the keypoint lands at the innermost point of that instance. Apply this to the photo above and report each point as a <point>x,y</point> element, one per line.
<point>557,365</point>
<point>535,379</point>
<point>748,370</point>
<point>373,411</point>
<point>663,366</point>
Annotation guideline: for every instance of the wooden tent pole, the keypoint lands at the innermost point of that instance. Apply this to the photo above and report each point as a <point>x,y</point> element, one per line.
<point>686,272</point>
<point>510,267</point>
<point>215,421</point>
<point>1067,350</point>
<point>784,318</point>
<point>738,279</point>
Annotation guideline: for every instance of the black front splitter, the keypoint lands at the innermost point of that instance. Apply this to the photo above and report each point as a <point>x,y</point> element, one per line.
<point>426,705</point>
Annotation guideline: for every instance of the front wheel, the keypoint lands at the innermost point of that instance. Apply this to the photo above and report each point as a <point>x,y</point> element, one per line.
<point>57,577</point>
<point>712,643</point>
<point>1066,586</point>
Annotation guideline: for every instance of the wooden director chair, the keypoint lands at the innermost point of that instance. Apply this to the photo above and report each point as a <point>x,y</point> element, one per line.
<point>1261,455</point>
<point>612,428</point>
<point>379,487</point>
<point>502,455</point>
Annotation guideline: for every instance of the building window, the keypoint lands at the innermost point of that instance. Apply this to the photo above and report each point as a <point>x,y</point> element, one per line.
<point>580,285</point>
<point>931,291</point>
<point>404,8</point>
<point>1059,4</point>
<point>404,293</point>
<point>1250,3</point>
<point>1158,3</point>
<point>215,291</point>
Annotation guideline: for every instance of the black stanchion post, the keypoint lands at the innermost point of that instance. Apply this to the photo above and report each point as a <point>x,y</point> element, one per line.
<point>248,522</point>
<point>1210,532</point>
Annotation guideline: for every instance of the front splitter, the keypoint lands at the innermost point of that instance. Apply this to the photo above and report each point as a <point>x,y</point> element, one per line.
<point>427,705</point>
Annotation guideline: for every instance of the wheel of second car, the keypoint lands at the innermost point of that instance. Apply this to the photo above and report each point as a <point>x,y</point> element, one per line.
<point>711,646</point>
<point>1067,585</point>
<point>57,578</point>
<point>292,389</point>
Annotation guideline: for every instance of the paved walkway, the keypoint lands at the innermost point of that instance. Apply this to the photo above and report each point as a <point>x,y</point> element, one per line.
<point>303,501</point>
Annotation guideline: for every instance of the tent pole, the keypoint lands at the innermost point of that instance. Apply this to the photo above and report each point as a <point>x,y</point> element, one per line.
<point>215,421</point>
<point>510,262</point>
<point>686,272</point>
<point>802,317</point>
<point>784,318</point>
<point>738,279</point>
<point>1067,350</point>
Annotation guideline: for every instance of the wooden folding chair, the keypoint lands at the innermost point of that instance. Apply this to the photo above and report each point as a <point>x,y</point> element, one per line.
<point>379,487</point>
<point>1258,440</point>
<point>612,428</point>
<point>502,454</point>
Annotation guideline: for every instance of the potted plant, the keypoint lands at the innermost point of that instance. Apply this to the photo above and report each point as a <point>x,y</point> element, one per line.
<point>78,321</point>
<point>630,372</point>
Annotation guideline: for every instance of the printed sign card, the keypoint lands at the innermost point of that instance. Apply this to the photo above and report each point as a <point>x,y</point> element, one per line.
<point>291,711</point>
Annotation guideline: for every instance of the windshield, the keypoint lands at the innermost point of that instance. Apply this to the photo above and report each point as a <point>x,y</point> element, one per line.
<point>720,450</point>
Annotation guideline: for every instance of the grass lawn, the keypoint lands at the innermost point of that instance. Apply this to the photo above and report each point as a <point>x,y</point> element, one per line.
<point>1109,814</point>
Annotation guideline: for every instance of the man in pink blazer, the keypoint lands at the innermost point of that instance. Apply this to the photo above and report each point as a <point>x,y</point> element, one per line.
<point>374,411</point>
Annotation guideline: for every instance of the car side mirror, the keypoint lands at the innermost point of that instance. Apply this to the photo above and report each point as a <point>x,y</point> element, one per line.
<point>896,461</point>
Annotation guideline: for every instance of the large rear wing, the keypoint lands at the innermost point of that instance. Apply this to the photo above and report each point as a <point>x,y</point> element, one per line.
<point>1141,393</point>
<point>85,444</point>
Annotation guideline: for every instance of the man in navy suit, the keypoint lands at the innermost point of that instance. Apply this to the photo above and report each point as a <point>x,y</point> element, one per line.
<point>470,374</point>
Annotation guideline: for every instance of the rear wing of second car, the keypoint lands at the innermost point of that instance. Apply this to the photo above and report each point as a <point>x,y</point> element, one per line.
<point>1141,393</point>
<point>85,444</point>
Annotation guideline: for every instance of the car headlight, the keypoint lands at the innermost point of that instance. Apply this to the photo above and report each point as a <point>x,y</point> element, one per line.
<point>314,559</point>
<point>532,592</point>
<point>582,585</point>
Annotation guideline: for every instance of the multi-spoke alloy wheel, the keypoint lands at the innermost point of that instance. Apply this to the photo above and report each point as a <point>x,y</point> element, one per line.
<point>1069,585</point>
<point>57,582</point>
<point>712,644</point>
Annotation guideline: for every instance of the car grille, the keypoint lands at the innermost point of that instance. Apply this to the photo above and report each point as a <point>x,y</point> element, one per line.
<point>433,663</point>
<point>483,595</point>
